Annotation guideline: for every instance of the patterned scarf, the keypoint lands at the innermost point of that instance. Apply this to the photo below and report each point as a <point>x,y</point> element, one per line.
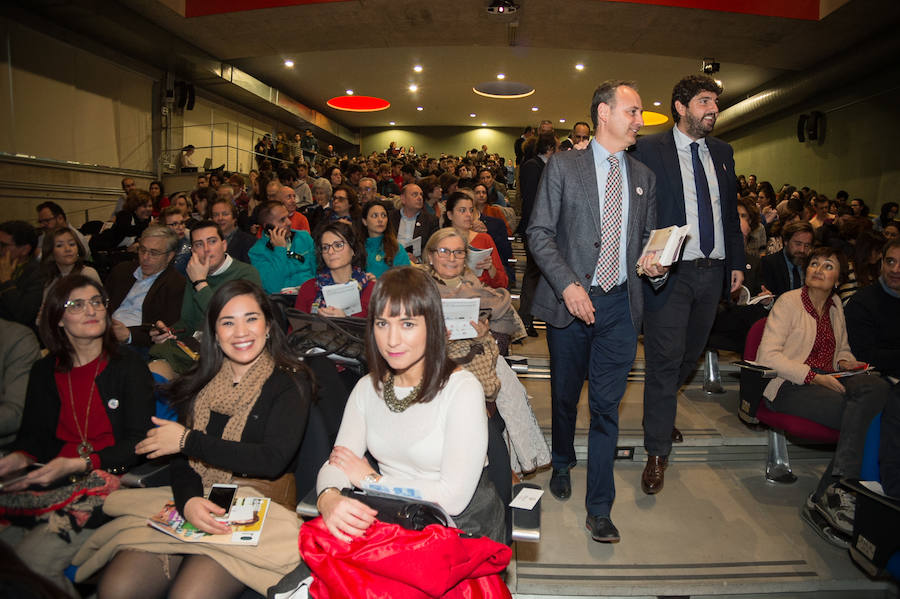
<point>324,278</point>
<point>235,401</point>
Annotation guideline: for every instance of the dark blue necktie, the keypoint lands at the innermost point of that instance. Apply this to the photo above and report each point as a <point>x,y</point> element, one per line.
<point>704,204</point>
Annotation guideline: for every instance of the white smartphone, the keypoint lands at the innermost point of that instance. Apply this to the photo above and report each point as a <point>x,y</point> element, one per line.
<point>223,496</point>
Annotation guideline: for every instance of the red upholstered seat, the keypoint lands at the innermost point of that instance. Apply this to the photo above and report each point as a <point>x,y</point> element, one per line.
<point>796,426</point>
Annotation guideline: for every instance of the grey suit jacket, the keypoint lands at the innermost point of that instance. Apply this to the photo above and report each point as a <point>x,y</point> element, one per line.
<point>564,232</point>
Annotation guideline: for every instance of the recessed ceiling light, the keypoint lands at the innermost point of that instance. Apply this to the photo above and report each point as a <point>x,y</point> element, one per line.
<point>484,124</point>
<point>472,114</point>
<point>417,68</point>
<point>413,87</point>
<point>501,76</point>
<point>719,82</point>
<point>657,103</point>
<point>562,120</point>
<point>534,109</point>
<point>579,67</point>
<point>419,108</point>
<point>288,63</point>
<point>392,123</point>
<point>349,92</point>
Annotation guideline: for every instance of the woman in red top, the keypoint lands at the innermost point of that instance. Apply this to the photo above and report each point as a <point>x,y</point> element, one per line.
<point>341,258</point>
<point>460,214</point>
<point>88,403</point>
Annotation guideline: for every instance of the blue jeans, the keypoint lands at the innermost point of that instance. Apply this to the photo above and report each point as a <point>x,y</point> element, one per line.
<point>603,353</point>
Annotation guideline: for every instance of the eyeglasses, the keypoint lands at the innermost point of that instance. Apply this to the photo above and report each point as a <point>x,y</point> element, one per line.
<point>448,253</point>
<point>152,253</point>
<point>336,246</point>
<point>77,306</point>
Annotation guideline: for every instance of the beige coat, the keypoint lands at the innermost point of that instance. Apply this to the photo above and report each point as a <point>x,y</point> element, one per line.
<point>789,337</point>
<point>257,567</point>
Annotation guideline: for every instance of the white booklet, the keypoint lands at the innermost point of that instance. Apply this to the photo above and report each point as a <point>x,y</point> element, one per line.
<point>458,312</point>
<point>413,246</point>
<point>344,296</point>
<point>664,245</point>
<point>476,256</point>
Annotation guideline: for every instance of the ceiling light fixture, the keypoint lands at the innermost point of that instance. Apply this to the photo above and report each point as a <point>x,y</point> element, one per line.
<point>653,118</point>
<point>657,103</point>
<point>358,103</point>
<point>392,123</point>
<point>503,90</point>
<point>417,68</point>
<point>579,67</point>
<point>349,92</point>
<point>413,87</point>
<point>562,120</point>
<point>419,108</point>
<point>501,76</point>
<point>501,7</point>
<point>288,63</point>
<point>484,124</point>
<point>472,114</point>
<point>534,109</point>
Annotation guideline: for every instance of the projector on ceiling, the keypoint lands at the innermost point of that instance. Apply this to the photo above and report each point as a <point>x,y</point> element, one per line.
<point>502,7</point>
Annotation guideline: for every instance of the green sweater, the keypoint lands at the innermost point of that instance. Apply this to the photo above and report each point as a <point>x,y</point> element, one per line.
<point>194,304</point>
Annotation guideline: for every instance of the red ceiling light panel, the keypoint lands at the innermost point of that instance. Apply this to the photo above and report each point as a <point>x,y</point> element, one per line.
<point>203,8</point>
<point>359,103</point>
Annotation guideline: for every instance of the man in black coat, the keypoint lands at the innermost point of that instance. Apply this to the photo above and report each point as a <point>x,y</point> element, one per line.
<point>411,221</point>
<point>783,271</point>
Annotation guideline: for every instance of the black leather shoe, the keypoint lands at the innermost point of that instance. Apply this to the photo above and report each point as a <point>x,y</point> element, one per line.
<point>561,484</point>
<point>654,476</point>
<point>531,330</point>
<point>677,437</point>
<point>602,529</point>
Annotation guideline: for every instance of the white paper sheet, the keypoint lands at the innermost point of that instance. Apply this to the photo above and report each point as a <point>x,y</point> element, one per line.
<point>476,256</point>
<point>457,314</point>
<point>344,296</point>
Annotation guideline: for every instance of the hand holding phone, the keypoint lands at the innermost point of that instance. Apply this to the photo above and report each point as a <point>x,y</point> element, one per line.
<point>223,496</point>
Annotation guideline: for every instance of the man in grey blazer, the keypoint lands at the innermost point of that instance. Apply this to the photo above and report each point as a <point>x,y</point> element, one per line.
<point>593,213</point>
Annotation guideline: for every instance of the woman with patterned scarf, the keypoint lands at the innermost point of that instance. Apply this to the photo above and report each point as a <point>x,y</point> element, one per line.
<point>244,407</point>
<point>341,258</point>
<point>88,402</point>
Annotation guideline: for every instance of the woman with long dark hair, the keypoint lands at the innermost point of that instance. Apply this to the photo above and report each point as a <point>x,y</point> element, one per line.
<point>242,408</point>
<point>460,214</point>
<point>88,403</point>
<point>382,249</point>
<point>415,388</point>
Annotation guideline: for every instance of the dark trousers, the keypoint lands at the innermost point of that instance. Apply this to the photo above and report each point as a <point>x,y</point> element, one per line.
<point>529,285</point>
<point>674,338</point>
<point>604,353</point>
<point>850,412</point>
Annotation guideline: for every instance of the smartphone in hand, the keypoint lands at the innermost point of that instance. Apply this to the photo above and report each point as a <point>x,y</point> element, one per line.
<point>223,496</point>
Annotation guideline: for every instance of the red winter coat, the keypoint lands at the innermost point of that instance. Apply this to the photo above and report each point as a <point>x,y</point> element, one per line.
<point>390,561</point>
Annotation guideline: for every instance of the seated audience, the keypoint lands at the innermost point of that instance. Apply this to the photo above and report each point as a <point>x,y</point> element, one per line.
<point>63,254</point>
<point>243,408</point>
<point>891,231</point>
<point>755,241</point>
<point>386,186</point>
<point>175,218</point>
<point>288,198</point>
<point>432,192</point>
<point>873,328</point>
<point>158,197</point>
<point>888,215</point>
<point>415,388</point>
<point>88,403</point>
<point>341,258</point>
<point>19,349</point>
<point>321,194</point>
<point>283,255</point>
<point>783,270</point>
<point>495,196</point>
<point>494,224</point>
<point>146,291</point>
<point>368,190</point>
<point>128,225</point>
<point>200,199</point>
<point>209,268</point>
<point>411,221</point>
<point>805,339</point>
<point>382,249</point>
<point>21,281</point>
<point>344,205</point>
<point>50,216</point>
<point>224,213</point>
<point>865,263</point>
<point>460,214</point>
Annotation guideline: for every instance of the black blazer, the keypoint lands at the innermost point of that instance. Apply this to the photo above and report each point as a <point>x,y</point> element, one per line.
<point>426,224</point>
<point>162,302</point>
<point>775,275</point>
<point>529,177</point>
<point>239,245</point>
<point>658,152</point>
<point>125,379</point>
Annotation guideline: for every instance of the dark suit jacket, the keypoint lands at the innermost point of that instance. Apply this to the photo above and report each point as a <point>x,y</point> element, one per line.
<point>529,177</point>
<point>775,275</point>
<point>162,302</point>
<point>564,232</point>
<point>426,224</point>
<point>658,152</point>
<point>239,244</point>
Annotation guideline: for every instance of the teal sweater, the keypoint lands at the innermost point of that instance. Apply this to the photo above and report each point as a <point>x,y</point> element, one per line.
<point>375,262</point>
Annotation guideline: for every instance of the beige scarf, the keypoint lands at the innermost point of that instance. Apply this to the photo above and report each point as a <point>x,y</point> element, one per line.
<point>235,401</point>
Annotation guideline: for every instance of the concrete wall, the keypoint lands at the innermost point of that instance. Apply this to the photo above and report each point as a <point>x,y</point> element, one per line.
<point>859,152</point>
<point>437,140</point>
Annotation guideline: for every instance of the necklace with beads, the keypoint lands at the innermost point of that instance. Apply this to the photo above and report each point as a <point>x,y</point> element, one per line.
<point>390,398</point>
<point>84,448</point>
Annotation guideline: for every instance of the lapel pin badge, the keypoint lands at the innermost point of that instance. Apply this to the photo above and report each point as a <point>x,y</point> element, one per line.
<point>113,403</point>
<point>640,191</point>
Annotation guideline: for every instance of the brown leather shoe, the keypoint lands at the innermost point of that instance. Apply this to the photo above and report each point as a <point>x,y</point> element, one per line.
<point>653,478</point>
<point>677,437</point>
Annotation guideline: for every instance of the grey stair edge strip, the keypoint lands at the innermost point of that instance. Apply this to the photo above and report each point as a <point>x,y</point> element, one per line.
<point>678,577</point>
<point>796,562</point>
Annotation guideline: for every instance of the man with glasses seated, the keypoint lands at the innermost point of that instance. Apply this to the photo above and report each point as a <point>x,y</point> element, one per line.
<point>284,257</point>
<point>209,267</point>
<point>144,291</point>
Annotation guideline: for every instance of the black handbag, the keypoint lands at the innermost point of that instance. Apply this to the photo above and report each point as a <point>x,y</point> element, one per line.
<point>317,335</point>
<point>408,513</point>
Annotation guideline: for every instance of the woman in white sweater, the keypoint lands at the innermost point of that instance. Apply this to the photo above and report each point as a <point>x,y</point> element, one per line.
<point>422,419</point>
